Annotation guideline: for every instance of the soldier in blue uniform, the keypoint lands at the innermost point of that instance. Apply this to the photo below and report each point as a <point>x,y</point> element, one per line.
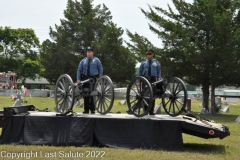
<point>89,67</point>
<point>150,69</point>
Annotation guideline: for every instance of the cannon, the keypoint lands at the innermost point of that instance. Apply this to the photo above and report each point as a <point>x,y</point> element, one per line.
<point>141,93</point>
<point>67,93</point>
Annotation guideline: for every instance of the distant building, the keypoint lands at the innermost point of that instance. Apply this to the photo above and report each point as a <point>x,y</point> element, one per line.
<point>38,83</point>
<point>8,80</point>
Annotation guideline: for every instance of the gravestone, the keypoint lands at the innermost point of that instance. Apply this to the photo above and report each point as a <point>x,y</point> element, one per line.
<point>218,101</point>
<point>204,111</point>
<point>123,102</point>
<point>238,119</point>
<point>19,96</point>
<point>82,105</point>
<point>225,109</point>
<point>157,109</point>
<point>17,103</point>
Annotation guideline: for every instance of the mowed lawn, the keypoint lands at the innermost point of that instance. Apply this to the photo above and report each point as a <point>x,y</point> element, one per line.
<point>194,147</point>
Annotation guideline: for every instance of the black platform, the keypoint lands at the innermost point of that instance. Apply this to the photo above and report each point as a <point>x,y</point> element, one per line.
<point>113,130</point>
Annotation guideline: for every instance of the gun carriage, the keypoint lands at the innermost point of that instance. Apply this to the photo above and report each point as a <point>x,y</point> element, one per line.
<point>67,92</point>
<point>141,93</point>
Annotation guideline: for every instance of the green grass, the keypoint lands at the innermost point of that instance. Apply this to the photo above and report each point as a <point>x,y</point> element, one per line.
<point>194,147</point>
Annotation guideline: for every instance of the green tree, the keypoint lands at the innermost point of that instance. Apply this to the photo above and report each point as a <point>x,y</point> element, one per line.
<point>138,45</point>
<point>86,25</point>
<point>200,42</point>
<point>30,67</point>
<point>18,52</point>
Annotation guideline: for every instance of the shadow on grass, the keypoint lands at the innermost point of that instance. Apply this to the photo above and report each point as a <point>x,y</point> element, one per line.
<point>204,148</point>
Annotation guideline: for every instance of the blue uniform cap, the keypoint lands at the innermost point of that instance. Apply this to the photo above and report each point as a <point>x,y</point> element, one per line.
<point>149,50</point>
<point>89,48</point>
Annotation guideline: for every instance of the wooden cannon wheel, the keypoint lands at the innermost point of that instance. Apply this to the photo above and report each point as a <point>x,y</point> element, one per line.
<point>175,98</point>
<point>66,93</point>
<point>104,97</point>
<point>139,96</point>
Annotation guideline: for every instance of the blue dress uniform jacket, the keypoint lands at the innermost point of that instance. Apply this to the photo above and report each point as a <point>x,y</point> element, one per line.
<point>155,69</point>
<point>96,68</point>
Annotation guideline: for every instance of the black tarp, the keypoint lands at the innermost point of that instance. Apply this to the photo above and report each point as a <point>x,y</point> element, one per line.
<point>59,130</point>
<point>89,131</point>
<point>1,120</point>
<point>12,131</point>
<point>139,133</point>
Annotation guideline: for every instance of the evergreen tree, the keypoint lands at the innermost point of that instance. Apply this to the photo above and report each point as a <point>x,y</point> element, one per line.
<point>85,25</point>
<point>138,46</point>
<point>200,42</point>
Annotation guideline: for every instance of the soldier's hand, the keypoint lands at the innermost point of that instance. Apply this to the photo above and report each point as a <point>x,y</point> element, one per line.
<point>78,81</point>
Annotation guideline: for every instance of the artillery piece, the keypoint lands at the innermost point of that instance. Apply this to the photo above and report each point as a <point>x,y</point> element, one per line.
<point>67,92</point>
<point>141,93</point>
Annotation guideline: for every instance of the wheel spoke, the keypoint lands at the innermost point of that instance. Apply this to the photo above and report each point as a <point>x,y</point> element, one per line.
<point>134,91</point>
<point>167,91</point>
<point>107,90</point>
<point>138,88</point>
<point>69,98</point>
<point>167,102</point>
<point>132,95</point>
<point>59,89</point>
<point>139,108</point>
<point>179,101</point>
<point>108,99</point>
<point>102,85</point>
<point>106,105</point>
<point>133,106</point>
<point>170,106</point>
<point>64,83</point>
<point>103,107</point>
<point>173,107</point>
<point>99,103</point>
<point>133,101</point>
<point>106,85</point>
<point>145,97</point>
<point>60,100</point>
<point>145,102</point>
<point>176,88</point>
<point>176,106</point>
<point>136,106</point>
<point>96,99</point>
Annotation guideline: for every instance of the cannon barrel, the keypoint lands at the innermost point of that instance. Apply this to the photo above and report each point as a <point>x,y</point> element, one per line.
<point>160,82</point>
<point>90,80</point>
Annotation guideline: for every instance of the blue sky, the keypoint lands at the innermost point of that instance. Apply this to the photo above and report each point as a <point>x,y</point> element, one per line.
<point>41,14</point>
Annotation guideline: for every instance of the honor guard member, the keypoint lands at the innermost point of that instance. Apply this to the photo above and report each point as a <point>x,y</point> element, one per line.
<point>89,67</point>
<point>150,69</point>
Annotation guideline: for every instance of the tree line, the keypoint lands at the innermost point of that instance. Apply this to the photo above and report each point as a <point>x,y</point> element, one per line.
<point>200,44</point>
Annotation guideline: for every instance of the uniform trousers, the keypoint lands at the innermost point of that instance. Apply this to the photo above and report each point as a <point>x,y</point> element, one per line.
<point>88,100</point>
<point>151,80</point>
